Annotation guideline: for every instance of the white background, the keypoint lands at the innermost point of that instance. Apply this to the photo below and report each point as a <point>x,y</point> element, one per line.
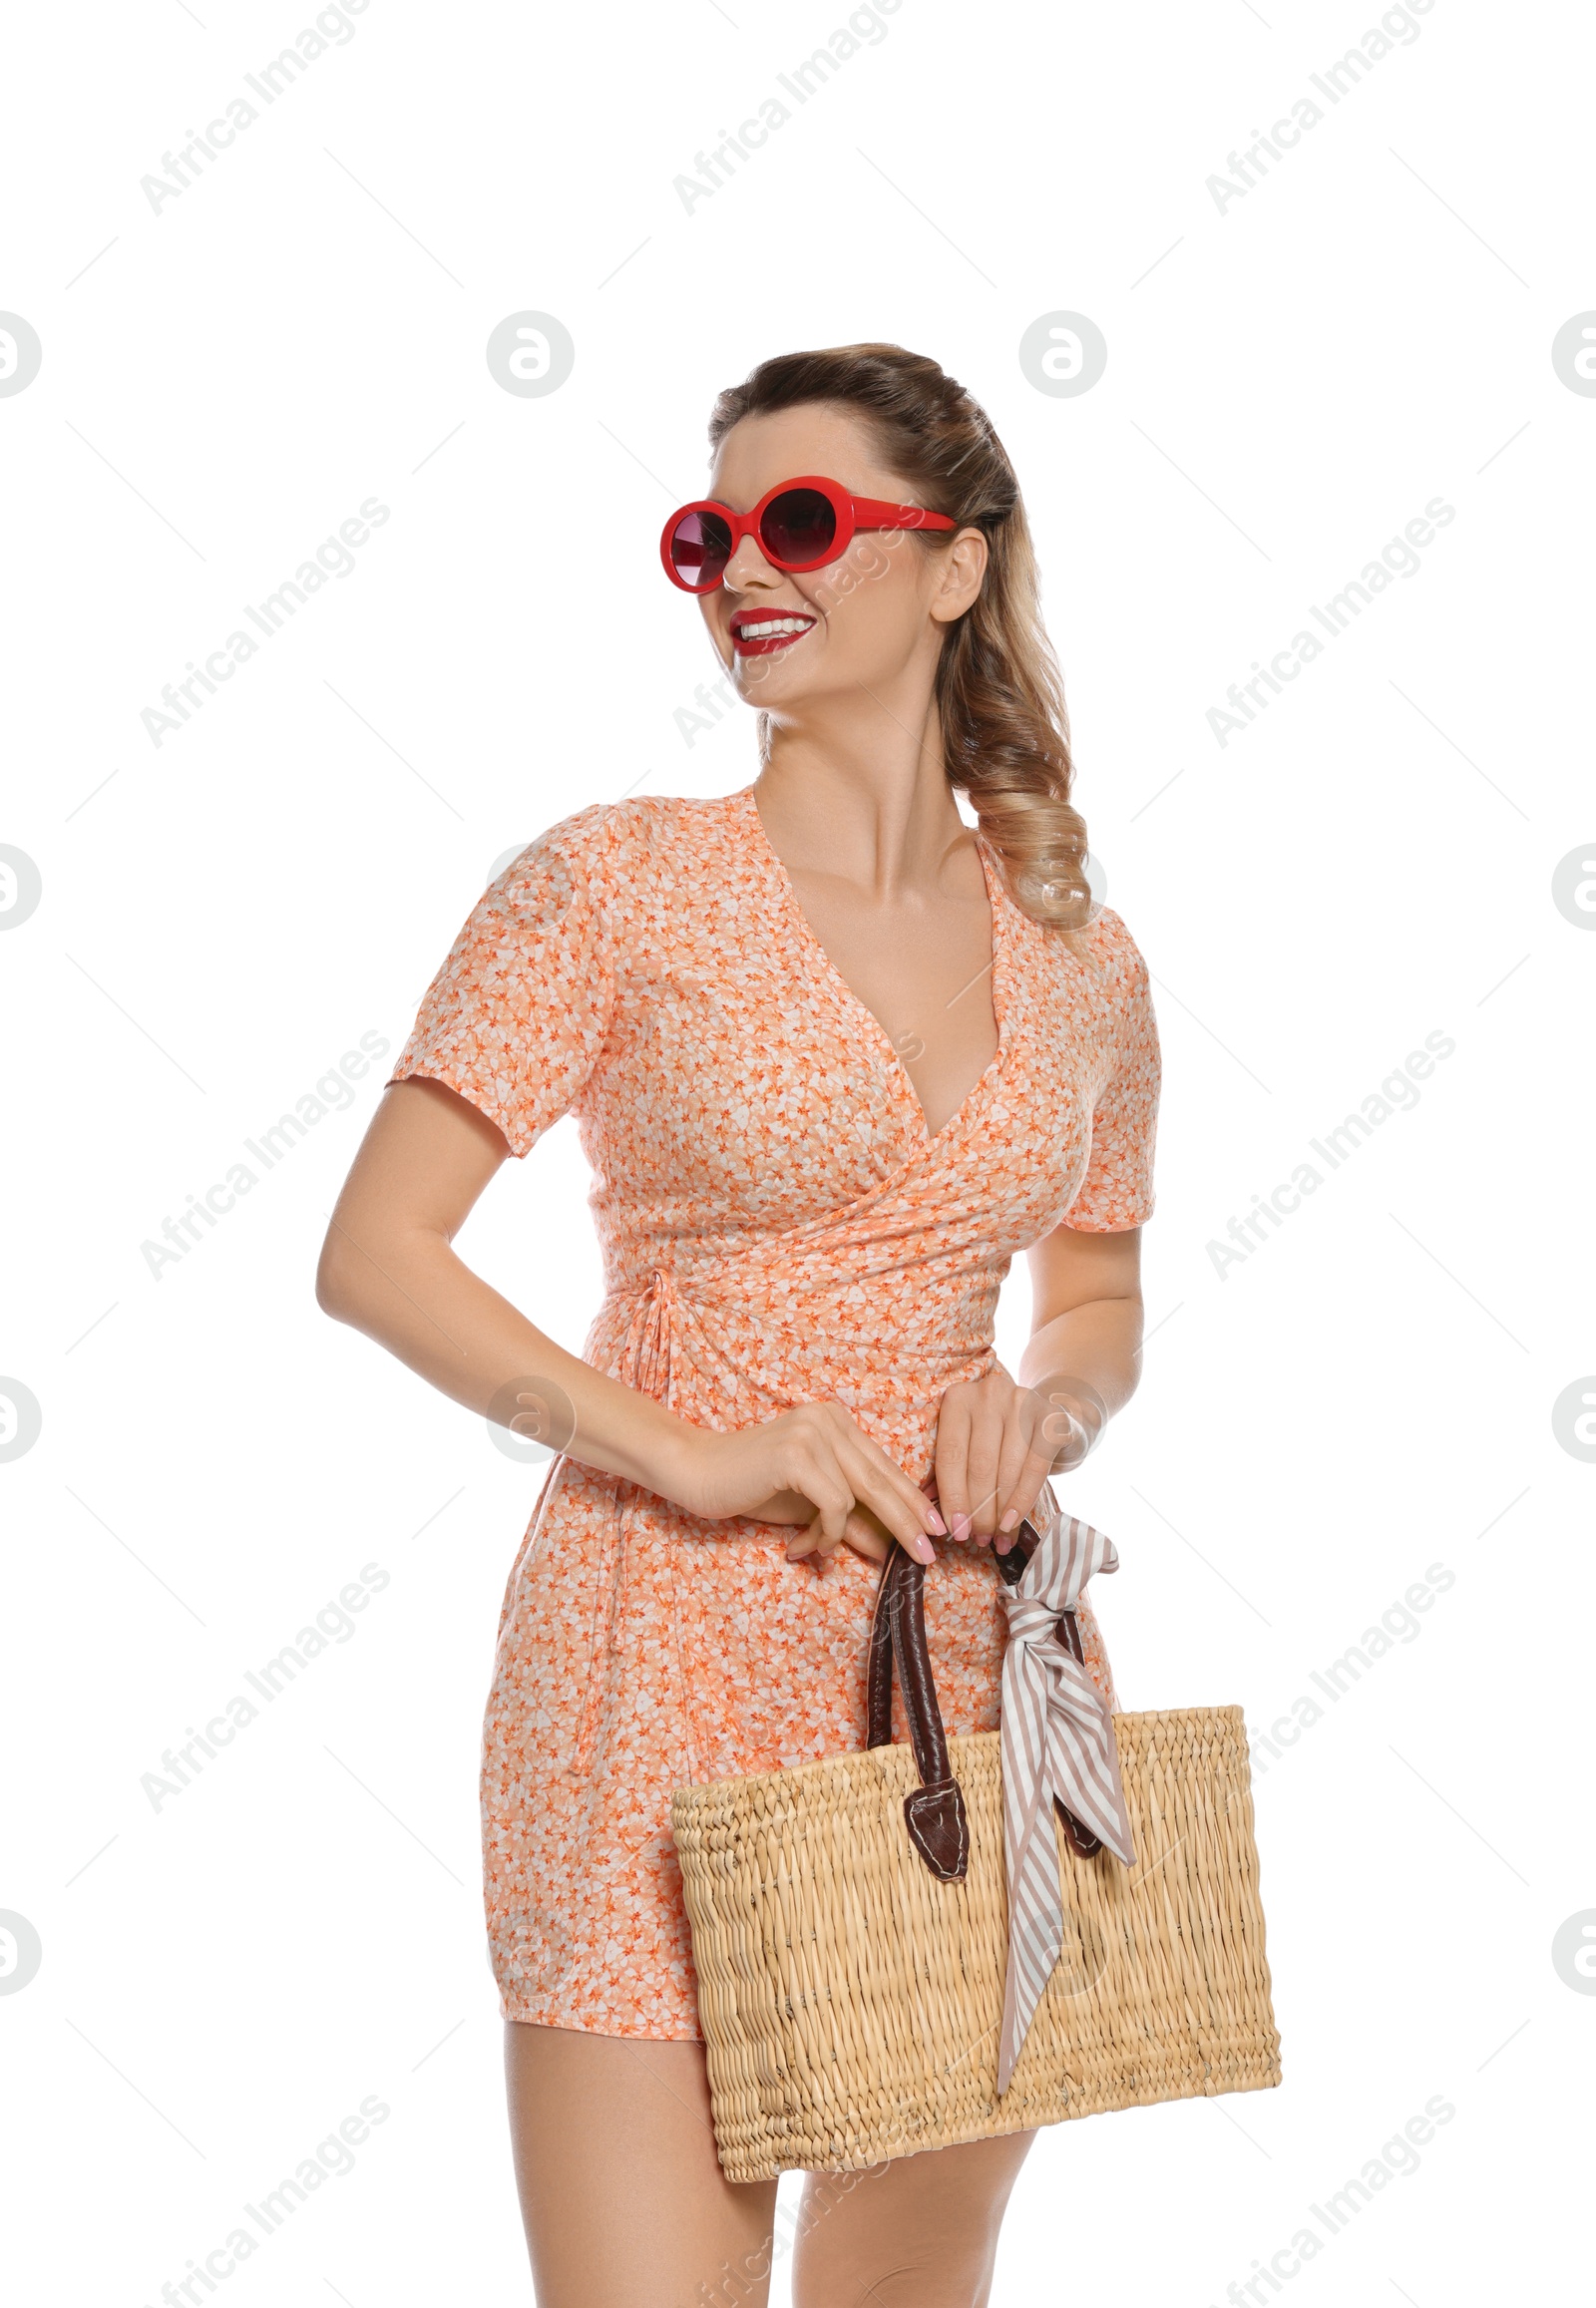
<point>1289,380</point>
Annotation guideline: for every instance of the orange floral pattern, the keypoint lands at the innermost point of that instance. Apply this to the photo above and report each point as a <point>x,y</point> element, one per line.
<point>779,1226</point>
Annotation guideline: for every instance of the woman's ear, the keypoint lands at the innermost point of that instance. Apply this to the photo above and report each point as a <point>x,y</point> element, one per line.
<point>962,568</point>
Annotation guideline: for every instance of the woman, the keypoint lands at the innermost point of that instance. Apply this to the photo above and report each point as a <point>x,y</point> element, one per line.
<point>836,1057</point>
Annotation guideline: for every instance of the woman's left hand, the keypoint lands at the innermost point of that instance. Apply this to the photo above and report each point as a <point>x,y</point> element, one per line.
<point>997,1444</point>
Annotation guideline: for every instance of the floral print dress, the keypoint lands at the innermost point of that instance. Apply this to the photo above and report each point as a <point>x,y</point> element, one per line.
<point>779,1226</point>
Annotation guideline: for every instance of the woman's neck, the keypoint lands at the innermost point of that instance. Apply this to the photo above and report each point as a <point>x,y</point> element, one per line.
<point>868,798</point>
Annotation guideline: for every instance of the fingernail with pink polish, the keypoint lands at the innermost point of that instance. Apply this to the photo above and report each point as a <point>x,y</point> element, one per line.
<point>1009,1519</point>
<point>937,1523</point>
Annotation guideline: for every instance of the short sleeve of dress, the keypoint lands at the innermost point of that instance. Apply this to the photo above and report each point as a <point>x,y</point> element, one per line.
<point>518,1013</point>
<point>1117,1190</point>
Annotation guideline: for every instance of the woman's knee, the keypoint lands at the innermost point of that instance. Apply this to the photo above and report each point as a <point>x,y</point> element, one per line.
<point>901,2275</point>
<point>922,2230</point>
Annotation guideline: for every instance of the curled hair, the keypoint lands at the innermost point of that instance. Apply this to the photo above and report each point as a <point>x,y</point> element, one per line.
<point>999,695</point>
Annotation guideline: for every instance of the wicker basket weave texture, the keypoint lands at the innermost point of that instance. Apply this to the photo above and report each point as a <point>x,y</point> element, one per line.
<point>851,2002</point>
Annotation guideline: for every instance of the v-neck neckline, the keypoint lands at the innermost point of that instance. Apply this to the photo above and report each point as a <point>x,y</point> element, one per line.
<point>844,995</point>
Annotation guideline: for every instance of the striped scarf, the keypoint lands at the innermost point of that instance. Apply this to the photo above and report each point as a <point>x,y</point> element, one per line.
<point>1058,1739</point>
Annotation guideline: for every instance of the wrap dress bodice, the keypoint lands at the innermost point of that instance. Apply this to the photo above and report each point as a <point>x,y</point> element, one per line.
<point>779,1226</point>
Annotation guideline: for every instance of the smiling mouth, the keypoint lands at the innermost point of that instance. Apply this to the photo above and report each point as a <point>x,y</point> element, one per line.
<point>760,636</point>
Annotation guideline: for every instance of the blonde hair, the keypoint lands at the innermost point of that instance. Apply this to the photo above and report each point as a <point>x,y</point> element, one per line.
<point>999,695</point>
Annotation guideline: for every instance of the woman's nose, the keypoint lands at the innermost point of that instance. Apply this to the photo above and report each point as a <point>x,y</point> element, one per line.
<point>748,568</point>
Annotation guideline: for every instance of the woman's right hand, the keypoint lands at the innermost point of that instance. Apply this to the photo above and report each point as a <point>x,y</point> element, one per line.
<point>822,1458</point>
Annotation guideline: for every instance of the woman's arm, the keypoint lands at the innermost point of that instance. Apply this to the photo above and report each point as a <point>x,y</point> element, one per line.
<point>1085,1318</point>
<point>388,1269</point>
<point>997,1440</point>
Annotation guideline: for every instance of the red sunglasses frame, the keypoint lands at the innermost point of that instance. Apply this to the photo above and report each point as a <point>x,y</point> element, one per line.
<point>853,513</point>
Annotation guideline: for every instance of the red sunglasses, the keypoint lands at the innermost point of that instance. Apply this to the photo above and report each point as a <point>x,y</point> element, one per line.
<point>800,525</point>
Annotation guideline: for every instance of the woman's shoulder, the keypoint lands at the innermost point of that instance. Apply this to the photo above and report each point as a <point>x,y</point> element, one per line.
<point>1112,948</point>
<point>1124,983</point>
<point>1100,974</point>
<point>1105,954</point>
<point>609,850</point>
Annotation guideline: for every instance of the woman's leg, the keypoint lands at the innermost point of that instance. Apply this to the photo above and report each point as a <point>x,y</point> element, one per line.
<point>622,2193</point>
<point>922,2232</point>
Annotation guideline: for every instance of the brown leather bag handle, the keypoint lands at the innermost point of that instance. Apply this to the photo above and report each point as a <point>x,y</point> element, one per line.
<point>934,1811</point>
<point>938,1826</point>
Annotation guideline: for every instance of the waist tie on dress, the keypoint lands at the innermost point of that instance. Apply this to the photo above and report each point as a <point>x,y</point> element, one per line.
<point>1058,1739</point>
<point>643,1362</point>
<point>645,1349</point>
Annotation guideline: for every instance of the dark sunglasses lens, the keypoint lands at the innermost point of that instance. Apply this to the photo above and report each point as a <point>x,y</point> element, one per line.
<point>700,547</point>
<point>799,526</point>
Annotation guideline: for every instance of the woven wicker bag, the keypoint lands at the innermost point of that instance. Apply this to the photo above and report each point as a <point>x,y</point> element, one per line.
<point>851,1953</point>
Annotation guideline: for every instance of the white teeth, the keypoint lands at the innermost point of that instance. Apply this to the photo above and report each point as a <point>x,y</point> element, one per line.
<point>774,626</point>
